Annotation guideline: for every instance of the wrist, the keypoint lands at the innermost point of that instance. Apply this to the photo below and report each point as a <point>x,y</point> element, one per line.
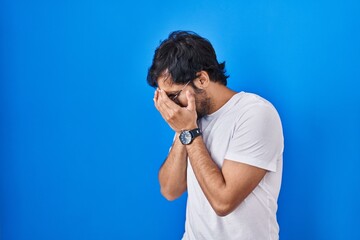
<point>190,127</point>
<point>187,136</point>
<point>187,128</point>
<point>194,142</point>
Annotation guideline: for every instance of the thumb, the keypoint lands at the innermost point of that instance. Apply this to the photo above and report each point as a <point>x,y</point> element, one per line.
<point>191,101</point>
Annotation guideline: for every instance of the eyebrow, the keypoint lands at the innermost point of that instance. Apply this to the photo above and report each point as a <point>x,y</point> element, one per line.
<point>173,92</point>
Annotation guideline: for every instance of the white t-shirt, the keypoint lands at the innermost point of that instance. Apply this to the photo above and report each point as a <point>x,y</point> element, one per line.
<point>246,129</point>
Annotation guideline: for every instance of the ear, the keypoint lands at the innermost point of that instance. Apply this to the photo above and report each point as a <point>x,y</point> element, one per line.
<point>202,81</point>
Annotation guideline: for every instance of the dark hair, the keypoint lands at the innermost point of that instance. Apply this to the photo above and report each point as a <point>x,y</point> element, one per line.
<point>182,55</point>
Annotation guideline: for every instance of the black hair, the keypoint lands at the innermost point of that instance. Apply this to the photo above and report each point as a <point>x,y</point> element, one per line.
<point>182,55</point>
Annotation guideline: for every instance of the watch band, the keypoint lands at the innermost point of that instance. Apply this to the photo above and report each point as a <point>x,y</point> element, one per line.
<point>195,133</point>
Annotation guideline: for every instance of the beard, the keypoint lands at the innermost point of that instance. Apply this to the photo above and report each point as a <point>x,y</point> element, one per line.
<point>203,103</point>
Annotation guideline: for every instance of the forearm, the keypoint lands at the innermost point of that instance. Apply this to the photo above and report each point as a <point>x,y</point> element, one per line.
<point>172,174</point>
<point>208,174</point>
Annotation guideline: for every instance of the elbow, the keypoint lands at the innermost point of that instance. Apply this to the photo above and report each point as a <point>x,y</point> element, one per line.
<point>223,209</point>
<point>222,212</point>
<point>170,196</point>
<point>171,191</point>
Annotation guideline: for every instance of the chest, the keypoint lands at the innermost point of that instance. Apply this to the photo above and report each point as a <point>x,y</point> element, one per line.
<point>217,135</point>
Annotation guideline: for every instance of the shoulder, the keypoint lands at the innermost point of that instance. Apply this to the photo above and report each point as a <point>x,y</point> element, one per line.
<point>252,100</point>
<point>249,105</point>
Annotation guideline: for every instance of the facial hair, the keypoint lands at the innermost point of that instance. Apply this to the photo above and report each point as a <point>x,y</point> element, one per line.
<point>203,104</point>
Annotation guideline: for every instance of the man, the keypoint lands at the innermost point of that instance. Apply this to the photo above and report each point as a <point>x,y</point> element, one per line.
<point>227,150</point>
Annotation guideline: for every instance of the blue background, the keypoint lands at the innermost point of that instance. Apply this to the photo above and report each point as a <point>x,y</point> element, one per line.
<point>80,140</point>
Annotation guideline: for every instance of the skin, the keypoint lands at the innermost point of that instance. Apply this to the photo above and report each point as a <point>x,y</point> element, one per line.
<point>226,187</point>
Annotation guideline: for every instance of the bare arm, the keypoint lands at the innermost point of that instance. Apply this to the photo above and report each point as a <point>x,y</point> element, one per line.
<point>224,188</point>
<point>172,174</point>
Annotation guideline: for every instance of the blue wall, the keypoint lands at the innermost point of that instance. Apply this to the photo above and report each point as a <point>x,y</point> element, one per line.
<point>80,140</point>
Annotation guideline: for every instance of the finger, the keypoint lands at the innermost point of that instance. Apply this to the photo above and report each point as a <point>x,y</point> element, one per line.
<point>162,105</point>
<point>191,101</point>
<point>163,112</point>
<point>156,98</point>
<point>159,104</point>
<point>156,93</point>
<point>168,108</point>
<point>166,100</point>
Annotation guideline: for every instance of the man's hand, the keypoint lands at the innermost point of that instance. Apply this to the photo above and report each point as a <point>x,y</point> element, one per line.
<point>179,118</point>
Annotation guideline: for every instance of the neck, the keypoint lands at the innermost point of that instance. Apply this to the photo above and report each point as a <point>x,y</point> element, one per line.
<point>219,95</point>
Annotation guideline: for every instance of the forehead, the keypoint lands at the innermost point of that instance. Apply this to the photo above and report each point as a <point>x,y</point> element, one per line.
<point>165,82</point>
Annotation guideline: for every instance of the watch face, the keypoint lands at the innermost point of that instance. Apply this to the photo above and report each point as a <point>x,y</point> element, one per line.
<point>185,137</point>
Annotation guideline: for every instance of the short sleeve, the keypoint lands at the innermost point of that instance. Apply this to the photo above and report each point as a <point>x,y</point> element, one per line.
<point>257,139</point>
